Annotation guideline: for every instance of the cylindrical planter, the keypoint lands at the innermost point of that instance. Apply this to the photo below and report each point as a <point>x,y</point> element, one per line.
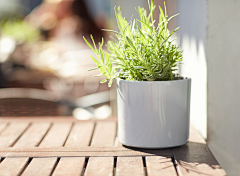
<point>153,114</point>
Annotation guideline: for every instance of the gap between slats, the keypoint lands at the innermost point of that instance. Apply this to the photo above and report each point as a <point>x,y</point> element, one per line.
<point>54,167</point>
<point>86,158</point>
<point>68,134</point>
<point>50,126</point>
<point>12,133</point>
<point>25,166</point>
<point>85,166</point>
<point>114,165</point>
<point>49,129</point>
<point>175,163</point>
<point>14,142</point>
<point>3,126</point>
<point>90,141</point>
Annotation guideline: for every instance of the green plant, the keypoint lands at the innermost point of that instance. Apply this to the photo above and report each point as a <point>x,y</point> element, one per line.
<point>142,52</point>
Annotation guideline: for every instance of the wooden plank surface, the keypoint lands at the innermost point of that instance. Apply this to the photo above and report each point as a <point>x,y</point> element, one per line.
<point>158,165</point>
<point>129,166</point>
<point>40,166</point>
<point>80,151</point>
<point>195,158</point>
<point>33,135</point>
<point>12,166</point>
<point>80,135</point>
<point>100,166</point>
<point>52,119</point>
<point>57,135</point>
<point>69,139</point>
<point>69,166</point>
<point>199,169</point>
<point>2,126</point>
<point>104,134</point>
<point>11,134</point>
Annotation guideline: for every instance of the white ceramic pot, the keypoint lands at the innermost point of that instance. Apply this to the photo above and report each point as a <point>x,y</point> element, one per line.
<point>153,114</point>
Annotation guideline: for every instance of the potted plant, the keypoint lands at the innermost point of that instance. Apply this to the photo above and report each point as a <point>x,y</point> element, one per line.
<point>153,102</point>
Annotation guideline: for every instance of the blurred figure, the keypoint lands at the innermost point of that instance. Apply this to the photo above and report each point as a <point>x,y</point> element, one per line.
<point>65,22</point>
<point>86,25</point>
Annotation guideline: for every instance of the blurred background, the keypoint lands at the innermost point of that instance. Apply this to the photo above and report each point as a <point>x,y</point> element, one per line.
<point>44,62</point>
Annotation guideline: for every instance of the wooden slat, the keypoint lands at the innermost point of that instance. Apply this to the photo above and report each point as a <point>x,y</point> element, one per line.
<point>199,169</point>
<point>100,166</point>
<point>130,166</point>
<point>158,165</point>
<point>80,151</point>
<point>69,166</point>
<point>104,134</point>
<point>9,136</point>
<point>12,166</point>
<point>40,166</point>
<point>80,135</point>
<point>2,126</point>
<point>33,135</point>
<point>195,158</point>
<point>51,119</point>
<point>57,135</point>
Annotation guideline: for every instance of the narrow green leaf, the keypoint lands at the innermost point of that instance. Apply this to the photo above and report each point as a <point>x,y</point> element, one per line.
<point>140,31</point>
<point>98,63</point>
<point>90,45</point>
<point>107,58</point>
<point>173,16</point>
<point>110,83</point>
<point>93,69</point>
<point>98,75</point>
<point>138,67</point>
<point>145,25</point>
<point>93,43</point>
<point>130,43</point>
<point>103,81</point>
<point>110,67</point>
<point>108,30</point>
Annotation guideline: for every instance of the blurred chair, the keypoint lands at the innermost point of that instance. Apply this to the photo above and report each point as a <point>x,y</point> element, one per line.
<point>29,102</point>
<point>36,102</point>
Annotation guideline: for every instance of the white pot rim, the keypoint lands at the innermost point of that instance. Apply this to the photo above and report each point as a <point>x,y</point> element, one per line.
<point>144,82</point>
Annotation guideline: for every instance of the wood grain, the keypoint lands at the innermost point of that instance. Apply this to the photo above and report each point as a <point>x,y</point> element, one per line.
<point>12,166</point>
<point>129,166</point>
<point>2,126</point>
<point>69,166</point>
<point>199,169</point>
<point>33,135</point>
<point>80,135</point>
<point>57,135</point>
<point>40,166</point>
<point>195,158</point>
<point>52,119</point>
<point>104,134</point>
<point>100,166</point>
<point>11,134</point>
<point>158,165</point>
<point>79,151</point>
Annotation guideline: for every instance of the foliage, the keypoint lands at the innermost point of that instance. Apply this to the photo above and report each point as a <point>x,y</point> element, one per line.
<point>20,31</point>
<point>142,52</point>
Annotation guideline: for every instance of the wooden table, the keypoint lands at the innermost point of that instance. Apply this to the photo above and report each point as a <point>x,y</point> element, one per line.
<point>67,147</point>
